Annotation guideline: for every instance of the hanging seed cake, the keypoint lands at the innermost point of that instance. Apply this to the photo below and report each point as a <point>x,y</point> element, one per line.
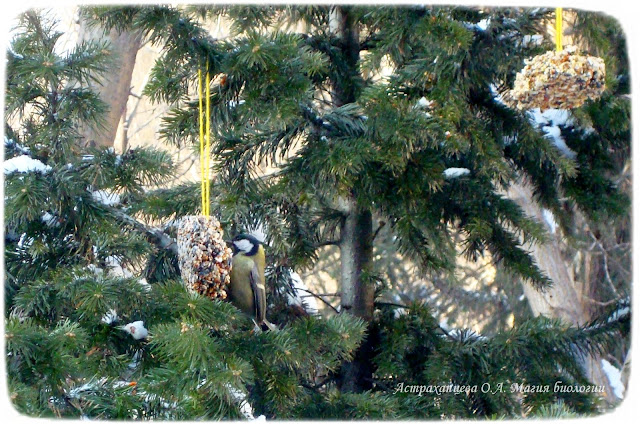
<point>204,258</point>
<point>558,80</point>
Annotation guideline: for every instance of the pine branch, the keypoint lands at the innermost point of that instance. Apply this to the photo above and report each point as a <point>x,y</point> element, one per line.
<point>156,236</point>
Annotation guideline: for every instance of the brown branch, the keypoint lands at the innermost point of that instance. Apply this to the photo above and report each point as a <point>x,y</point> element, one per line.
<point>597,302</point>
<point>605,264</point>
<point>323,294</point>
<point>380,225</point>
<point>317,385</point>
<point>155,235</point>
<point>397,305</point>
<point>321,299</point>
<point>327,243</point>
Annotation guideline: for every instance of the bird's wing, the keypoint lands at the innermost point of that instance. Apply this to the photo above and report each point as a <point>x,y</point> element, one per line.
<point>259,294</point>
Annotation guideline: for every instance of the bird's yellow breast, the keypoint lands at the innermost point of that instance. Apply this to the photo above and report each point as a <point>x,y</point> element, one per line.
<point>240,292</point>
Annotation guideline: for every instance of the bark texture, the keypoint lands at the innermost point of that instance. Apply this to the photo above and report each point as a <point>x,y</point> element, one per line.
<point>356,252</point>
<point>357,293</point>
<point>356,233</point>
<point>115,85</point>
<point>566,298</point>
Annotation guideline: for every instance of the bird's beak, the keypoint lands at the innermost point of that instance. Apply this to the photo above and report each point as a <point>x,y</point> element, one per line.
<point>229,243</point>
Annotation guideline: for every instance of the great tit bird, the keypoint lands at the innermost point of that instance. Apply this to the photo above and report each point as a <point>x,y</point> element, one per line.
<point>246,289</point>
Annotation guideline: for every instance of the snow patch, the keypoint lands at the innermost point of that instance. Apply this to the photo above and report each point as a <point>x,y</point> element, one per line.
<point>451,173</point>
<point>90,386</point>
<point>551,116</point>
<point>245,408</point>
<point>95,269</point>
<point>25,242</point>
<point>480,26</point>
<point>614,375</point>
<point>14,144</point>
<point>302,296</point>
<point>106,198</point>
<point>457,332</point>
<point>24,164</point>
<point>509,139</point>
<point>115,268</point>
<point>144,283</point>
<point>232,103</point>
<point>16,55</point>
<point>497,97</point>
<point>534,40</point>
<point>424,103</point>
<point>550,220</point>
<point>49,220</point>
<point>110,317</point>
<point>483,24</point>
<point>619,313</point>
<point>555,135</point>
<point>550,122</point>
<point>135,360</point>
<point>398,312</point>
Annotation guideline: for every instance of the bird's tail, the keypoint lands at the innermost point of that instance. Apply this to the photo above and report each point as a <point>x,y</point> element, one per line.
<point>266,325</point>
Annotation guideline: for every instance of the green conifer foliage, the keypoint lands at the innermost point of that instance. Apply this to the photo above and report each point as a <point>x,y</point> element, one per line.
<point>86,340</point>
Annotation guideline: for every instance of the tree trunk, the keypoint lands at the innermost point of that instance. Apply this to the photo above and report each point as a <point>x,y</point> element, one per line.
<point>357,293</point>
<point>341,23</point>
<point>566,298</point>
<point>356,232</point>
<point>356,252</point>
<point>115,84</point>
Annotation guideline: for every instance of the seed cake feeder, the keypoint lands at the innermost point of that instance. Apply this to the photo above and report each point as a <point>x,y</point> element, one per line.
<point>560,79</point>
<point>203,256</point>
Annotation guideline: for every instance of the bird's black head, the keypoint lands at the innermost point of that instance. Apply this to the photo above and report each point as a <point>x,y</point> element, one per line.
<point>246,244</point>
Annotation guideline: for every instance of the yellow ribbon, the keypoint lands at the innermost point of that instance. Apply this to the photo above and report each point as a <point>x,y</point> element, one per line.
<point>204,142</point>
<point>558,29</point>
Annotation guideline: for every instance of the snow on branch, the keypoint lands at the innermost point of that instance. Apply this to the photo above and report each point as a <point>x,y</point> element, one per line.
<point>550,122</point>
<point>614,375</point>
<point>451,173</point>
<point>106,198</point>
<point>24,164</point>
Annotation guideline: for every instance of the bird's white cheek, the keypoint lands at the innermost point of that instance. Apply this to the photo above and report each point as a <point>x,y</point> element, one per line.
<point>244,245</point>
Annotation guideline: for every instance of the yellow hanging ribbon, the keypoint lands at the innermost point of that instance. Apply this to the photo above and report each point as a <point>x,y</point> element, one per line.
<point>207,152</point>
<point>204,141</point>
<point>201,121</point>
<point>558,29</point>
